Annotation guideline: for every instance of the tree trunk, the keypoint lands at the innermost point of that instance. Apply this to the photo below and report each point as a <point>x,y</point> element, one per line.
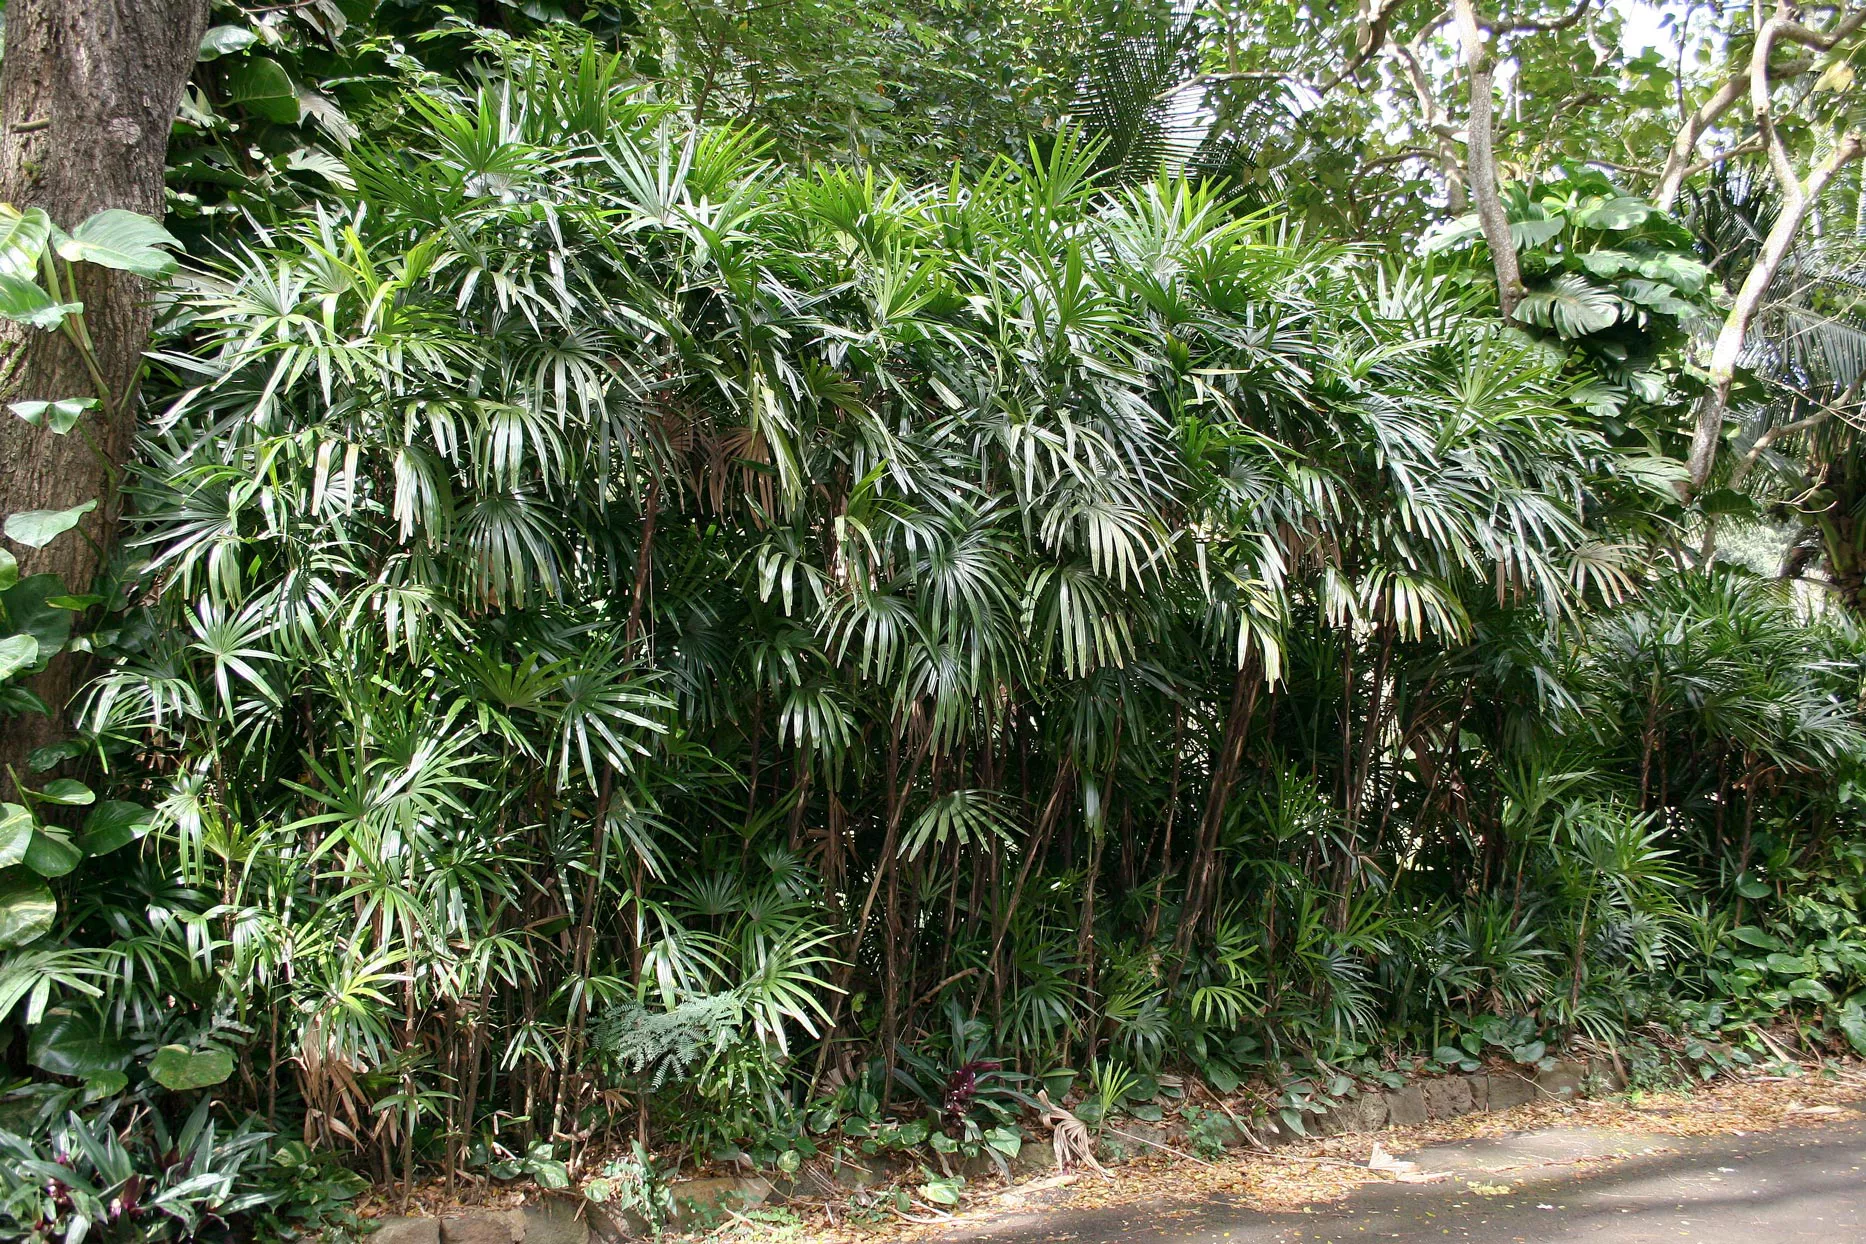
<point>88,92</point>
<point>1486,197</point>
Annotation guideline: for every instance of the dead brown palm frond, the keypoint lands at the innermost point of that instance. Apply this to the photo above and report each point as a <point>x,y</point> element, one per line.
<point>335,1102</point>
<point>1070,1136</point>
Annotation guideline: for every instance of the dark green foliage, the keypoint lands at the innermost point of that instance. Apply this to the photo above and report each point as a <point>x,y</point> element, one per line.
<point>664,1045</point>
<point>628,630</point>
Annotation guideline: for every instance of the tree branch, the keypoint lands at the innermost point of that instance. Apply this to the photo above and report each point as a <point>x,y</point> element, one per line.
<point>1436,122</point>
<point>1482,161</point>
<point>1679,164</point>
<point>1797,197</point>
<point>1685,145</point>
<point>1541,27</point>
<point>1743,148</point>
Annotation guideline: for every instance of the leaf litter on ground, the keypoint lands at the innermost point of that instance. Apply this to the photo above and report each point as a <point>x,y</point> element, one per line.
<point>1323,1170</point>
<point>1311,1171</point>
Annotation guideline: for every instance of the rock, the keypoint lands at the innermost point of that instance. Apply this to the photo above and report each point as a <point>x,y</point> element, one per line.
<point>1480,1090</point>
<point>488,1228</point>
<point>705,1200</point>
<point>1509,1088</point>
<point>1037,1157</point>
<point>554,1222</point>
<point>1231,1136</point>
<point>1565,1079</point>
<point>1139,1136</point>
<point>853,1175</point>
<point>611,1226</point>
<point>981,1167</point>
<point>1405,1106</point>
<point>1447,1097</point>
<point>1364,1113</point>
<point>407,1231</point>
<point>1606,1072</point>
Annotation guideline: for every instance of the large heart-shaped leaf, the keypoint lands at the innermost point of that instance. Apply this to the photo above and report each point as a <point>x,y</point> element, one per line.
<point>22,242</point>
<point>1620,213</point>
<point>1449,234</point>
<point>27,908</point>
<point>37,528</point>
<point>1529,234</point>
<point>262,87</point>
<point>127,241</point>
<point>180,1069</point>
<point>39,759</point>
<point>69,792</point>
<point>73,1043</point>
<point>113,824</point>
<point>51,854</point>
<point>1656,295</point>
<point>1608,263</point>
<point>1686,273</point>
<point>17,652</point>
<point>60,416</point>
<point>27,610</point>
<point>15,833</point>
<point>9,570</point>
<point>1852,1021</point>
<point>222,40</point>
<point>1572,305</point>
<point>28,303</point>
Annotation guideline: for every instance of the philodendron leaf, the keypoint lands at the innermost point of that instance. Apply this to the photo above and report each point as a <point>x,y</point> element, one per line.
<point>260,85</point>
<point>15,833</point>
<point>177,1068</point>
<point>1529,234</point>
<point>39,759</point>
<point>69,792</point>
<point>9,570</point>
<point>37,528</point>
<point>60,416</point>
<point>114,238</point>
<point>17,652</point>
<point>50,854</point>
<point>27,611</point>
<point>113,824</point>
<point>73,1043</point>
<point>1852,1021</point>
<point>220,40</point>
<point>1619,213</point>
<point>22,241</point>
<point>27,303</point>
<point>27,908</point>
<point>1572,305</point>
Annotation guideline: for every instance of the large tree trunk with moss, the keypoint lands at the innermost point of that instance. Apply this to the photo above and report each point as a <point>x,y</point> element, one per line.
<point>88,93</point>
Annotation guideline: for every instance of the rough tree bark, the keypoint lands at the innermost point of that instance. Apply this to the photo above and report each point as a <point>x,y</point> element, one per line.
<point>88,93</point>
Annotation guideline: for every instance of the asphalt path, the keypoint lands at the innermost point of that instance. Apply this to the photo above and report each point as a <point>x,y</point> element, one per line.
<point>1561,1186</point>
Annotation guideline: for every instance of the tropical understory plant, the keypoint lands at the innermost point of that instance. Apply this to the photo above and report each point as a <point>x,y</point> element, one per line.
<point>625,642</point>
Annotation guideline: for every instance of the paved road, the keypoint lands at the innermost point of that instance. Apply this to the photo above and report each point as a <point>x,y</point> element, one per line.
<point>1565,1187</point>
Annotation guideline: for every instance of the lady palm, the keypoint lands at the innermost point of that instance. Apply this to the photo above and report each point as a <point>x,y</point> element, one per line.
<point>612,594</point>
